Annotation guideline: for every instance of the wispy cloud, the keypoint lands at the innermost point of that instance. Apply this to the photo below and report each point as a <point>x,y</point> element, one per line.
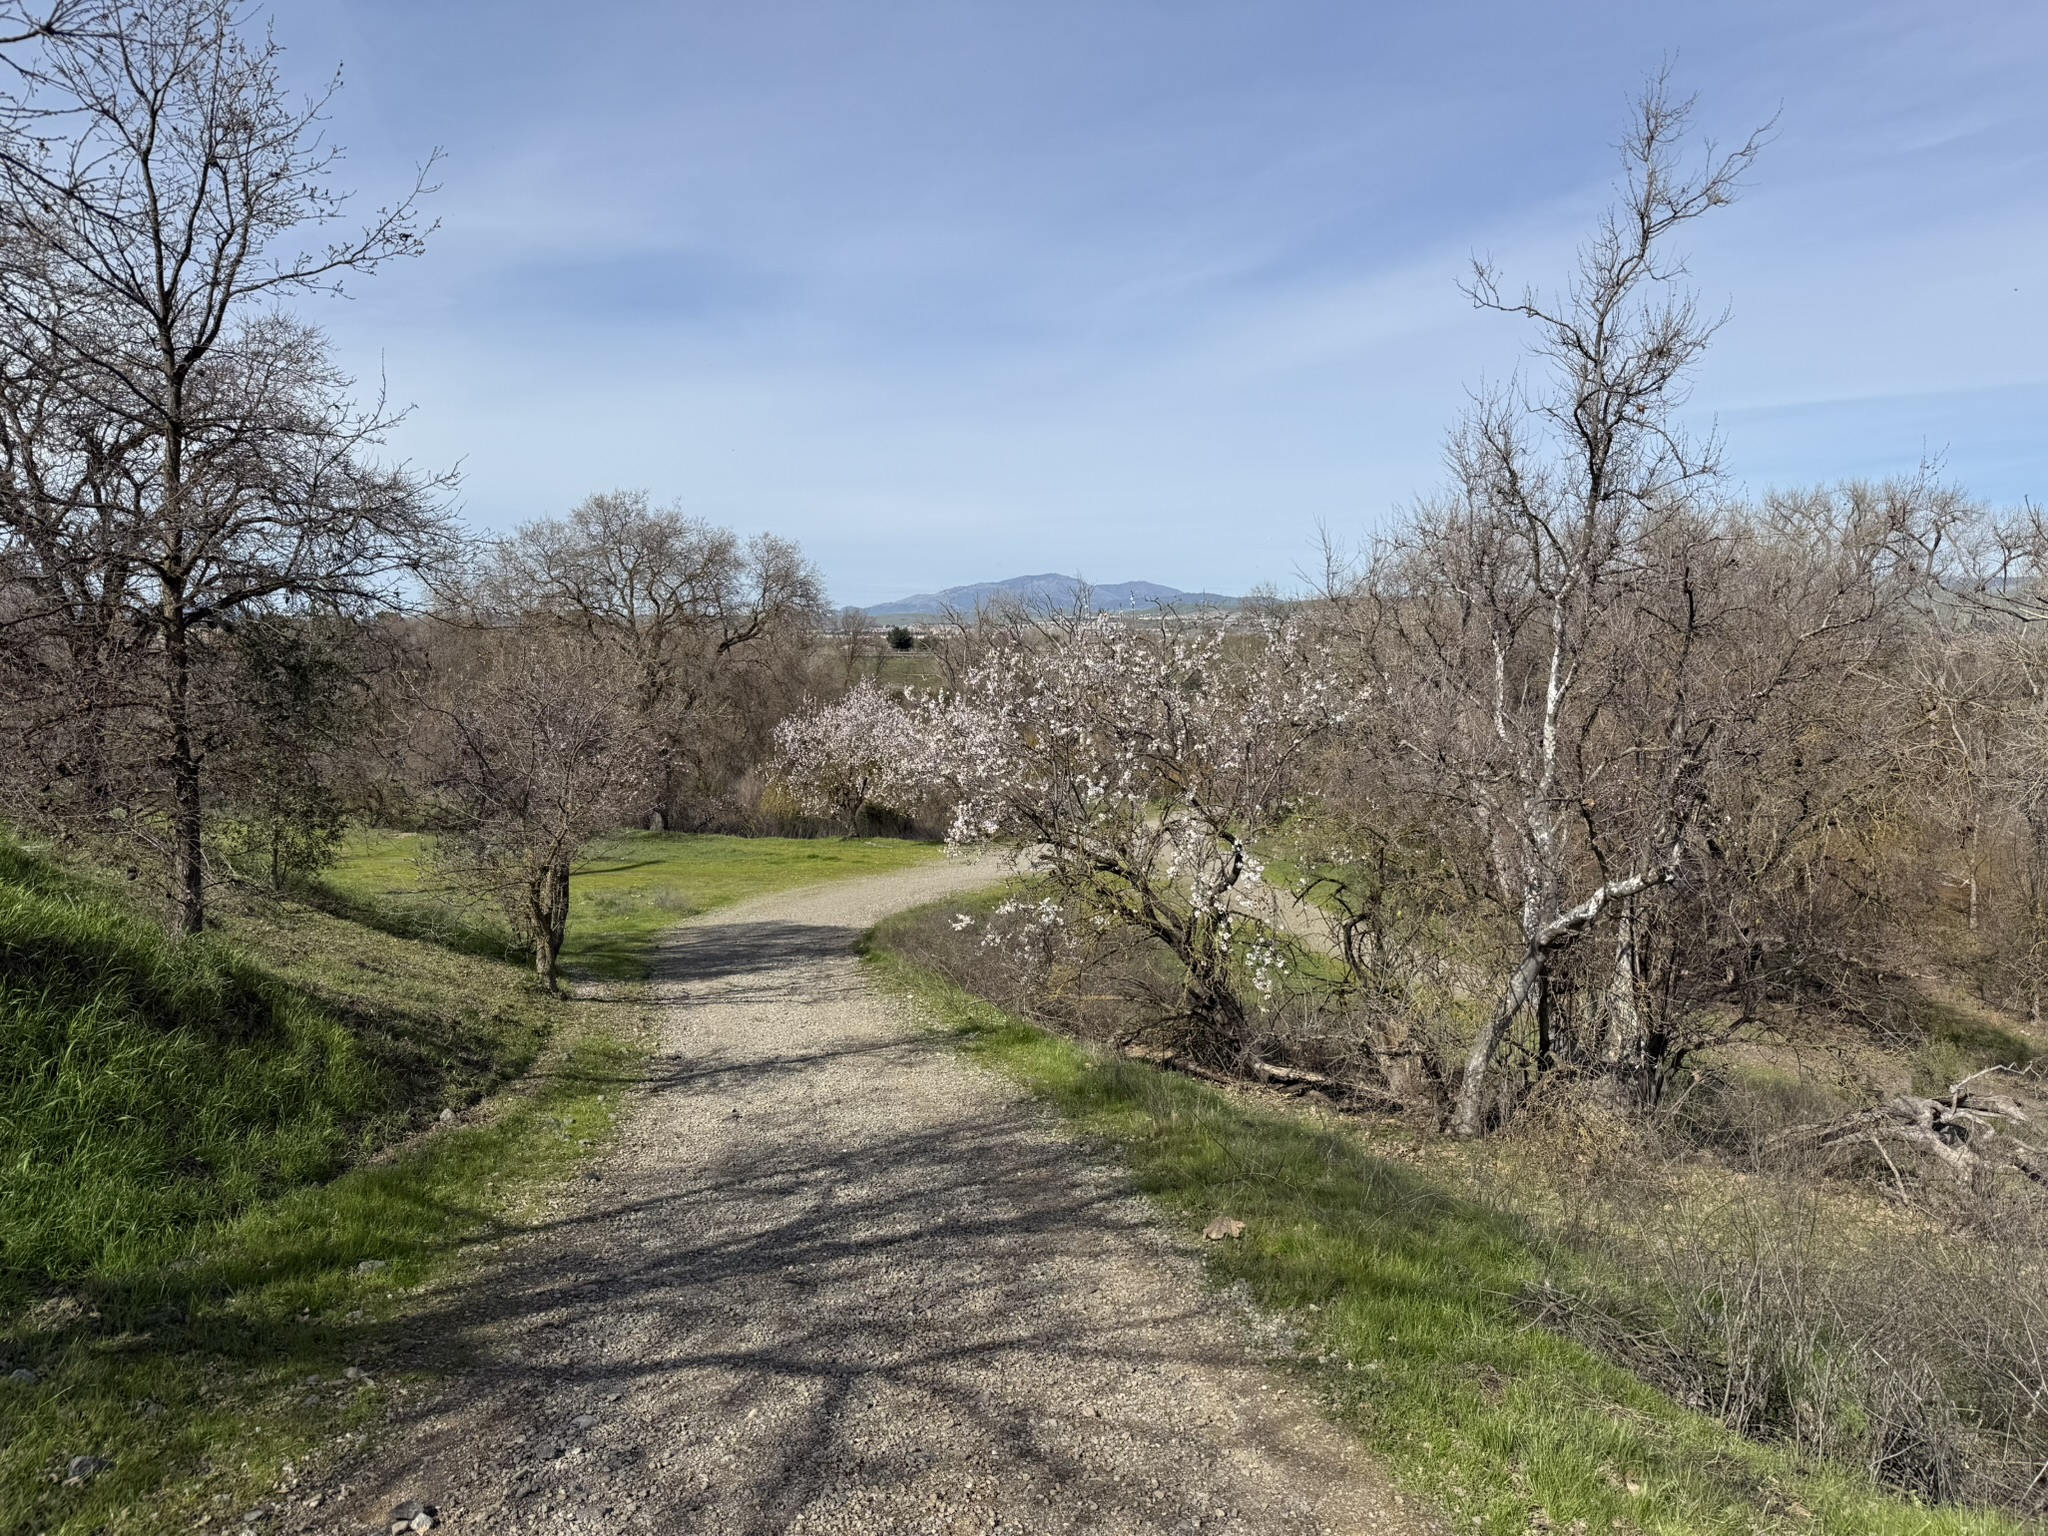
<point>947,289</point>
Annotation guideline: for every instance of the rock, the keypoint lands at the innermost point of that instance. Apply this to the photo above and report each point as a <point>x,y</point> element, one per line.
<point>405,1513</point>
<point>81,1470</point>
<point>423,1521</point>
<point>355,1373</point>
<point>583,1421</point>
<point>447,1115</point>
<point>23,1376</point>
<point>1222,1227</point>
<point>371,1266</point>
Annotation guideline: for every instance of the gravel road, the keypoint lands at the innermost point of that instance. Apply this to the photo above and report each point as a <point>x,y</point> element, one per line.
<point>833,1279</point>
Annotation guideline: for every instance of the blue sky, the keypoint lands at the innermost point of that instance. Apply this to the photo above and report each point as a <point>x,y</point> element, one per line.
<point>956,289</point>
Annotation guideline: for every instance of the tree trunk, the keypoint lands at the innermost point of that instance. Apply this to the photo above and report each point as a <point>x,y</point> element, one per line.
<point>1468,1115</point>
<point>1625,1030</point>
<point>547,917</point>
<point>1211,1004</point>
<point>187,819</point>
<point>558,904</point>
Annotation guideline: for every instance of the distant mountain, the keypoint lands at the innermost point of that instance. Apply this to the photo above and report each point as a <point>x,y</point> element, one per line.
<point>1049,592</point>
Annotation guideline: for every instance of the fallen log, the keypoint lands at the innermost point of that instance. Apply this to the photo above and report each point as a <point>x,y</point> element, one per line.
<point>1268,1072</point>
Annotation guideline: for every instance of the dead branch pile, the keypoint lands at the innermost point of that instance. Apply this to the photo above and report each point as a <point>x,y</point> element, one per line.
<point>1966,1131</point>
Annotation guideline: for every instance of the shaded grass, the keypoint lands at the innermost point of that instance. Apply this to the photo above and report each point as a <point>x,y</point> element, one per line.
<point>148,1085</point>
<point>384,880</point>
<point>1404,1295</point>
<point>202,1378</point>
<point>190,1133</point>
<point>236,1173</point>
<point>1961,1040</point>
<point>627,889</point>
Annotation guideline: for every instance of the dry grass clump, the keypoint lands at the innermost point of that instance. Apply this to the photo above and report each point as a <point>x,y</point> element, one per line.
<point>1852,1303</point>
<point>1840,1293</point>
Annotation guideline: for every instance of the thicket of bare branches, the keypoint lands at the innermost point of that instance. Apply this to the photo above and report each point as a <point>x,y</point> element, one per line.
<point>1629,767</point>
<point>524,744</point>
<point>717,632</point>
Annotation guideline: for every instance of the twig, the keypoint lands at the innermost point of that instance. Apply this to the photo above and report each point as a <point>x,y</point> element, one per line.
<point>1875,1142</point>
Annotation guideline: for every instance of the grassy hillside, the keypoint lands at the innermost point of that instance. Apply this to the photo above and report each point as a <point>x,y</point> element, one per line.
<point>146,1086</point>
<point>226,1167</point>
<point>1405,1296</point>
<point>196,1136</point>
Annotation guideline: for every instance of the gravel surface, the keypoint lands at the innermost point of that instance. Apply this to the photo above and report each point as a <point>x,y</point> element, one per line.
<point>833,1279</point>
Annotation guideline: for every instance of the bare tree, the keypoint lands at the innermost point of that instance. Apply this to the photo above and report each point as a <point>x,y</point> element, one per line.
<point>681,601</point>
<point>1511,591</point>
<point>857,642</point>
<point>27,23</point>
<point>527,744</point>
<point>185,450</point>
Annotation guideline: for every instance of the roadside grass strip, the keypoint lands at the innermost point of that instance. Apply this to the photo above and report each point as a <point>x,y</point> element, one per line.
<point>225,1171</point>
<point>226,1179</point>
<point>1402,1297</point>
<point>207,1381</point>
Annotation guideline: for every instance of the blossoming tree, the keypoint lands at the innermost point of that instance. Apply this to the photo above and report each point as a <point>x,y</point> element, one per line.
<point>1140,766</point>
<point>841,758</point>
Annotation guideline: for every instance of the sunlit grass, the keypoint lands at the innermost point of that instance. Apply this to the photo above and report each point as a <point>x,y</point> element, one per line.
<point>626,890</point>
<point>1404,1295</point>
<point>222,1172</point>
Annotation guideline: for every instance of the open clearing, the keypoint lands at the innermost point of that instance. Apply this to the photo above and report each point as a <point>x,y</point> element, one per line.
<point>834,1279</point>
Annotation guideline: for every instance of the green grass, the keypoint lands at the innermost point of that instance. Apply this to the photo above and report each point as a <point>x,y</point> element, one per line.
<point>201,1142</point>
<point>909,669</point>
<point>626,889</point>
<point>146,1086</point>
<point>188,1132</point>
<point>1405,1298</point>
<point>1962,1040</point>
<point>385,880</point>
<point>203,1380</point>
<point>630,887</point>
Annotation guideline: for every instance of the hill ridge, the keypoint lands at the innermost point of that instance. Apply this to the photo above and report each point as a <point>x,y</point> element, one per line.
<point>1050,590</point>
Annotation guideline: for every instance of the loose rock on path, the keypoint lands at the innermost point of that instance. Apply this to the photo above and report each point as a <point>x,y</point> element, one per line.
<point>833,1279</point>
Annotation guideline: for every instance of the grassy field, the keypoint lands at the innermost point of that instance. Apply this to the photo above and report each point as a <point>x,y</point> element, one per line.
<point>1403,1295</point>
<point>228,1171</point>
<point>627,889</point>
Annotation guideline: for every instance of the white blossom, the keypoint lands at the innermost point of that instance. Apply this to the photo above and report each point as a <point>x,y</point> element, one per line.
<point>863,750</point>
<point>1137,765</point>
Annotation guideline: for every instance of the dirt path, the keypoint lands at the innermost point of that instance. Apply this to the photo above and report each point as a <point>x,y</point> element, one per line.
<point>834,1280</point>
